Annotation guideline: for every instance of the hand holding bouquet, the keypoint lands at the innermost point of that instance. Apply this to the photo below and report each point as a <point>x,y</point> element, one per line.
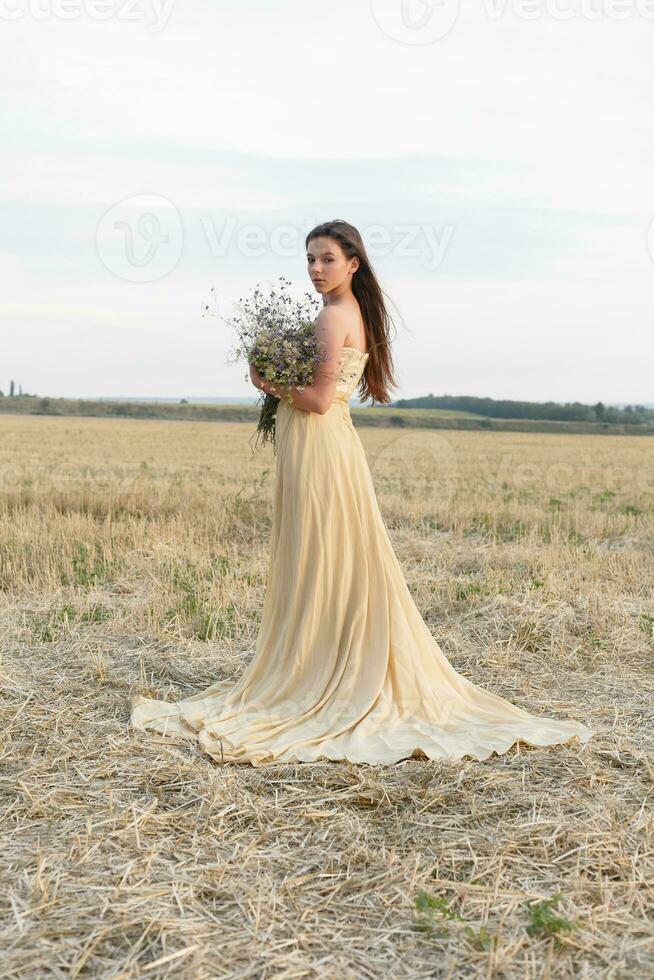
<point>275,333</point>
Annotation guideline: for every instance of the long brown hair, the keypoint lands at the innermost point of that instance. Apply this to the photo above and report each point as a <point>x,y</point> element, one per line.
<point>378,375</point>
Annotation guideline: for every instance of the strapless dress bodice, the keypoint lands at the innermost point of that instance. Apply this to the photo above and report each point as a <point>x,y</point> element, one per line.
<point>352,367</point>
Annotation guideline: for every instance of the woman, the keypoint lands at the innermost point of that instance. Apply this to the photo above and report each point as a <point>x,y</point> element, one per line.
<point>344,665</point>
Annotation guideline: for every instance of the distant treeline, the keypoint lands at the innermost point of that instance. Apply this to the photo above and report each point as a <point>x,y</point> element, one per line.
<point>33,405</point>
<point>382,415</point>
<point>12,390</point>
<point>540,411</point>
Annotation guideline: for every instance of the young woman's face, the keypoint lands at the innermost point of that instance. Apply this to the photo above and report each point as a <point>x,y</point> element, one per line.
<point>328,265</point>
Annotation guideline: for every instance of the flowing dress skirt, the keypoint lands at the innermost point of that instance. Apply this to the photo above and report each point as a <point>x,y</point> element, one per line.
<point>344,665</point>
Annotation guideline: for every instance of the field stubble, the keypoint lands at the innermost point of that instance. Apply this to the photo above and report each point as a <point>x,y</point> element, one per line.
<point>133,560</point>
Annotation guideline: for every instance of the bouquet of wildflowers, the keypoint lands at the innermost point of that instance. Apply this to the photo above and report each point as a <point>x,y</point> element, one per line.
<point>275,332</point>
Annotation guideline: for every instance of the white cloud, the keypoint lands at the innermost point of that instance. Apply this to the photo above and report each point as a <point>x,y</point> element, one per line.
<point>531,140</point>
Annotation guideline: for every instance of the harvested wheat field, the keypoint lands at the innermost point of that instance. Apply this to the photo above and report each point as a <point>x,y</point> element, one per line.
<point>133,560</point>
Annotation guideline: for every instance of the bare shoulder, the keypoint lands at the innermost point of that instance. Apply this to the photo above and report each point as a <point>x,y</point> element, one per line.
<point>331,326</point>
<point>332,315</point>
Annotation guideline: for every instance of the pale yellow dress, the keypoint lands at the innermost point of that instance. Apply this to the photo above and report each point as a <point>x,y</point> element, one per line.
<point>344,665</point>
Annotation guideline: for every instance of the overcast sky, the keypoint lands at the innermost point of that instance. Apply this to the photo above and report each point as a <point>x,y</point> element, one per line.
<point>500,168</point>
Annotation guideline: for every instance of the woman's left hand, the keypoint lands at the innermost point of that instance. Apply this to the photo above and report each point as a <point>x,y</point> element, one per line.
<point>255,377</point>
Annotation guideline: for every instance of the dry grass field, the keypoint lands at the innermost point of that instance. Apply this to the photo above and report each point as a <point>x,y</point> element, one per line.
<point>133,557</point>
